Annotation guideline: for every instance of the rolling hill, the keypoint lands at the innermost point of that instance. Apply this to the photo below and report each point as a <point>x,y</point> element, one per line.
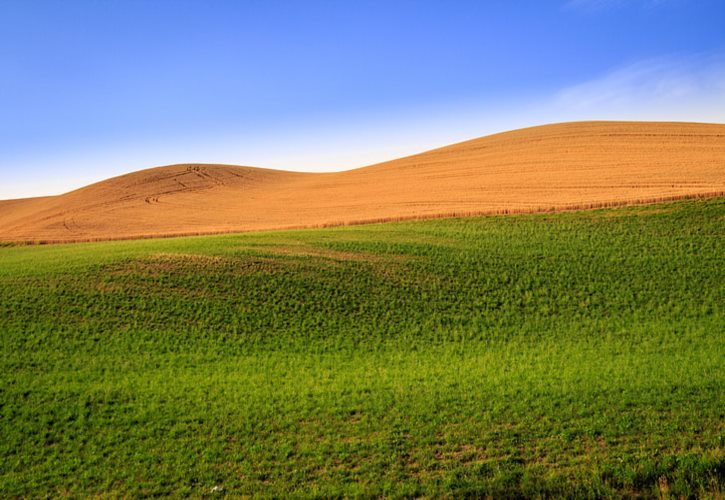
<point>551,167</point>
<point>569,355</point>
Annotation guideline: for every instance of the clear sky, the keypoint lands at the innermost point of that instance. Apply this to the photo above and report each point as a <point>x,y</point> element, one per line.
<point>92,89</point>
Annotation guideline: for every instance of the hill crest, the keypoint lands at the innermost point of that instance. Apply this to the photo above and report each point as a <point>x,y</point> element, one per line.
<point>550,167</point>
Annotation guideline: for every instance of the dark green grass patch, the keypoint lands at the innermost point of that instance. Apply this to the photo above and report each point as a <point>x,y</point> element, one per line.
<point>575,354</point>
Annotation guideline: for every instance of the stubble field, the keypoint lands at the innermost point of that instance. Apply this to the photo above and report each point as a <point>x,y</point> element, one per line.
<point>564,166</point>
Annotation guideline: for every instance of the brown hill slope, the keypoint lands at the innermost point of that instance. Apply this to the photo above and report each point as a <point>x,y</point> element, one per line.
<point>552,167</point>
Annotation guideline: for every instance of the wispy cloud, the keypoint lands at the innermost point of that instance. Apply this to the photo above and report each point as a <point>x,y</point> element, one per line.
<point>678,88</point>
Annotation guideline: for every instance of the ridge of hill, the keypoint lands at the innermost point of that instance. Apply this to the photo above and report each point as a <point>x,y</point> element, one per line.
<point>545,168</point>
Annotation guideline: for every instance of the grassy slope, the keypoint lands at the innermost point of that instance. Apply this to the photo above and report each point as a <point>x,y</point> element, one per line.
<point>575,354</point>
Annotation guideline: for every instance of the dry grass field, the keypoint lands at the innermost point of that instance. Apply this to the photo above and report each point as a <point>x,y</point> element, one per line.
<point>552,167</point>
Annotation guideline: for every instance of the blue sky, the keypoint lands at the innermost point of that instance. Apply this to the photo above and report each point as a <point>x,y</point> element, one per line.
<point>92,89</point>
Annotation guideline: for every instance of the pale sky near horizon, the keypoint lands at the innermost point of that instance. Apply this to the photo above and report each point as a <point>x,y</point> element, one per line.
<point>97,88</point>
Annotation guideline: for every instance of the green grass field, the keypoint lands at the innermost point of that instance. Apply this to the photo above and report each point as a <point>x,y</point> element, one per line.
<point>577,354</point>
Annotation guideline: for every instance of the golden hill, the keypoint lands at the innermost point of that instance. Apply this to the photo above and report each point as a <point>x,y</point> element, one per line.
<point>552,167</point>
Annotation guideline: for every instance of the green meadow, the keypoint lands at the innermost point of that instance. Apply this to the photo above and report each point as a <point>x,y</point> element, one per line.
<point>567,355</point>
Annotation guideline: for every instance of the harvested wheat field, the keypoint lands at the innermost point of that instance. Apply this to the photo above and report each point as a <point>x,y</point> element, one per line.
<point>552,167</point>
